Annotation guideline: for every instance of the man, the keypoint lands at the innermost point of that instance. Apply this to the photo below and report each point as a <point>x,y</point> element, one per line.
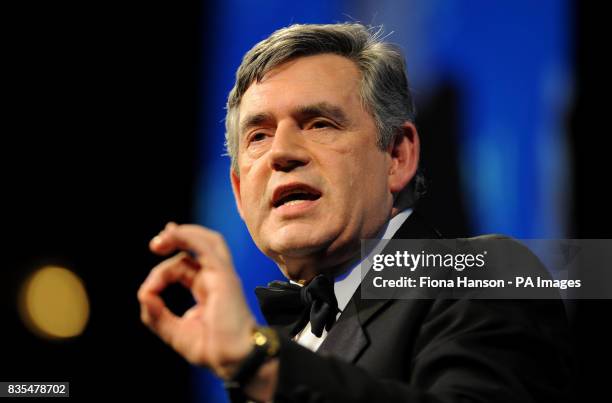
<point>324,154</point>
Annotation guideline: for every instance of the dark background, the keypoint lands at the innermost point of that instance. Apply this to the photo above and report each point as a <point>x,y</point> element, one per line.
<point>100,149</point>
<point>99,153</point>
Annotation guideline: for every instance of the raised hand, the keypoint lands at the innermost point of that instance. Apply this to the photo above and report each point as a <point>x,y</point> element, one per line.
<point>216,331</point>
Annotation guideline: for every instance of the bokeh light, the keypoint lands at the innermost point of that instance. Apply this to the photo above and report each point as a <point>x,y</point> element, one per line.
<point>53,303</point>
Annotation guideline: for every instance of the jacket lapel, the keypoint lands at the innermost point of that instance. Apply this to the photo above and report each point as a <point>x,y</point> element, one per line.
<point>348,339</point>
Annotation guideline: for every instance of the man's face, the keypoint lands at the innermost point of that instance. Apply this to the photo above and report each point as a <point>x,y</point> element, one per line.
<point>312,180</point>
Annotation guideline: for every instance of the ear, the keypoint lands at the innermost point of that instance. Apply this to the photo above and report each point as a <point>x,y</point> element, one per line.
<point>235,179</point>
<point>404,152</point>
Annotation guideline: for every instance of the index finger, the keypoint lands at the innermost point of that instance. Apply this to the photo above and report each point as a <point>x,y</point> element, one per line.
<point>192,238</point>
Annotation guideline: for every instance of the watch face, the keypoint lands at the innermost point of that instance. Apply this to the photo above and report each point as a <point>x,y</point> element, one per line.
<point>267,338</point>
<point>259,338</point>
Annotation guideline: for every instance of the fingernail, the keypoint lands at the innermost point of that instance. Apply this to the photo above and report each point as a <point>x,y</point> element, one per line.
<point>156,240</point>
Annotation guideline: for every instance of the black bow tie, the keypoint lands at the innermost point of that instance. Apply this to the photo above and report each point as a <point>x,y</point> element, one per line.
<point>285,304</point>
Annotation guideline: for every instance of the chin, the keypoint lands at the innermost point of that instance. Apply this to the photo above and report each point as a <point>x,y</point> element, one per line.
<point>299,241</point>
<point>293,247</point>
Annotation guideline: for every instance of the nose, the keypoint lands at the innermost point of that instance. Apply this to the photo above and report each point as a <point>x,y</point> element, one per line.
<point>288,151</point>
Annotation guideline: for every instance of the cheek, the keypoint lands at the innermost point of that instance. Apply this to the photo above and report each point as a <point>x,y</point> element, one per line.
<point>252,193</point>
<point>345,176</point>
<point>369,177</point>
<point>364,165</point>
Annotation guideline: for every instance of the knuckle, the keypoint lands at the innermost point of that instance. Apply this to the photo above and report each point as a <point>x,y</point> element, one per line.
<point>140,295</point>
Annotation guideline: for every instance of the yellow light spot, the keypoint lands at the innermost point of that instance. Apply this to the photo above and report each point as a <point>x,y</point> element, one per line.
<point>54,303</point>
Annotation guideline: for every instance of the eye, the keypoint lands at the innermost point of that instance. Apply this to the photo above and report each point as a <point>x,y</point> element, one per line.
<point>320,124</point>
<point>258,136</point>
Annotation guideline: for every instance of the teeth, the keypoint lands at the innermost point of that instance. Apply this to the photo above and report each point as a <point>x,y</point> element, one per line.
<point>294,202</point>
<point>295,196</point>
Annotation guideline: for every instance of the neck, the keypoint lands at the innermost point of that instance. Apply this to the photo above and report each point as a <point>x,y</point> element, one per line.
<point>303,269</point>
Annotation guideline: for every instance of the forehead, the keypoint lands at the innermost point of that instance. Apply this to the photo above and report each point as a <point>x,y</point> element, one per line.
<point>315,79</point>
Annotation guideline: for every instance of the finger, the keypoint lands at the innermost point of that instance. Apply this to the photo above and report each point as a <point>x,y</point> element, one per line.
<point>154,313</point>
<point>192,312</point>
<point>197,239</point>
<point>178,269</point>
<point>157,244</point>
<point>157,317</point>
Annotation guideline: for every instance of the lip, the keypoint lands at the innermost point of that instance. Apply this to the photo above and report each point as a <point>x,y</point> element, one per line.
<point>294,210</point>
<point>297,208</point>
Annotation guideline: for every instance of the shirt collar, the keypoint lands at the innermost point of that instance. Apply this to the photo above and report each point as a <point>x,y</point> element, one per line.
<point>346,284</point>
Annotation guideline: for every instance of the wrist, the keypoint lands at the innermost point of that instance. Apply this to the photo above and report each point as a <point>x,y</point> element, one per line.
<point>235,351</point>
<point>264,347</point>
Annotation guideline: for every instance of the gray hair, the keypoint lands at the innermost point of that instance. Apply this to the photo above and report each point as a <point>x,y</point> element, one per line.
<point>384,88</point>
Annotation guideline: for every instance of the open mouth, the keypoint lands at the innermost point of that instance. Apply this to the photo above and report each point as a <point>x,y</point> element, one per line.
<point>294,194</point>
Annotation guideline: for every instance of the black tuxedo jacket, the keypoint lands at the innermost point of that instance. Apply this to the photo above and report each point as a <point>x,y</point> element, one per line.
<point>433,350</point>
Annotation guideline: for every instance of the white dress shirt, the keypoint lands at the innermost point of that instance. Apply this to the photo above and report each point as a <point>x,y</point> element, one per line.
<point>346,284</point>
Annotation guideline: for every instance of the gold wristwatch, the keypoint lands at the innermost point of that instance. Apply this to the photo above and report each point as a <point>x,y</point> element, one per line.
<point>266,345</point>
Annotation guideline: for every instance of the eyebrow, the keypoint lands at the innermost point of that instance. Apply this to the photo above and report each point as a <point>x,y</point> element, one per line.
<point>302,112</point>
<point>254,121</point>
<point>322,109</point>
